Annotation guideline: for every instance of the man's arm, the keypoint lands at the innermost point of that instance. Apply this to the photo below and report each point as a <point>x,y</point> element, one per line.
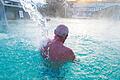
<point>44,50</point>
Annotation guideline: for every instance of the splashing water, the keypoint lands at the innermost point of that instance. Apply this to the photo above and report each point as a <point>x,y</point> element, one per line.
<point>30,6</point>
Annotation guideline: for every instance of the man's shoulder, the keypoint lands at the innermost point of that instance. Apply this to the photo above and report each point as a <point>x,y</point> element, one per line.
<point>68,49</point>
<point>70,53</point>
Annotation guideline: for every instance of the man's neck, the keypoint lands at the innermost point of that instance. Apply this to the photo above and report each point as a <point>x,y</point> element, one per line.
<point>59,39</point>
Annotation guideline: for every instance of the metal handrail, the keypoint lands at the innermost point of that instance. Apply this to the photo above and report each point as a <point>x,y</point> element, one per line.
<point>13,5</point>
<point>2,2</point>
<point>107,7</point>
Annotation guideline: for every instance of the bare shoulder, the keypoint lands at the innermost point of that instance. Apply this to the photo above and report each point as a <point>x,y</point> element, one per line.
<point>70,53</point>
<point>69,50</point>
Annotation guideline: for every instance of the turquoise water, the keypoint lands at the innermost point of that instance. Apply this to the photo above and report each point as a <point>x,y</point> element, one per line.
<point>97,59</point>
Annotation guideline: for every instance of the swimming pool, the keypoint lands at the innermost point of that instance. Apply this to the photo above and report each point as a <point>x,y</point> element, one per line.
<point>96,44</point>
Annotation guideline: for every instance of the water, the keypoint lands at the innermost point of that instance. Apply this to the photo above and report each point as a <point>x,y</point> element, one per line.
<point>30,6</point>
<point>96,44</point>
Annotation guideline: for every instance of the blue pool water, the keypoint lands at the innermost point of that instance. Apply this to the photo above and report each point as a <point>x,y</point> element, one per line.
<point>97,58</point>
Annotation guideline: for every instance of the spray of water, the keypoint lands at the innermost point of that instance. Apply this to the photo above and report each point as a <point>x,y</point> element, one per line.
<point>30,6</point>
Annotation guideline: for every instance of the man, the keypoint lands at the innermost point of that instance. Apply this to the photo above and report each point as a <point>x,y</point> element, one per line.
<point>55,51</point>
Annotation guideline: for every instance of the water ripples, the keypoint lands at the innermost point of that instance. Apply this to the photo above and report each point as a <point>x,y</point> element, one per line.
<point>96,59</point>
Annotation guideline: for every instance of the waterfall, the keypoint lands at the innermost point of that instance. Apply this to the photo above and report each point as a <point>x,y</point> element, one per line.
<point>30,6</point>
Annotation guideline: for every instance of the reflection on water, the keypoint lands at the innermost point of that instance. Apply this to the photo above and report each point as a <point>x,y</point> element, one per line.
<point>96,44</point>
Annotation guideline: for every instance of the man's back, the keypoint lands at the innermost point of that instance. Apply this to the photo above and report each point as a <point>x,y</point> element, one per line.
<point>59,53</point>
<point>55,51</point>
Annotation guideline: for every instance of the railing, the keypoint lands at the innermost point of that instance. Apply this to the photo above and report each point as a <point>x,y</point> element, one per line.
<point>2,2</point>
<point>107,7</point>
<point>15,0</point>
<point>12,3</point>
<point>3,20</point>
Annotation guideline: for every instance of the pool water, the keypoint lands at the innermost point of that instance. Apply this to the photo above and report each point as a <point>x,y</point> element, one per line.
<point>96,44</point>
